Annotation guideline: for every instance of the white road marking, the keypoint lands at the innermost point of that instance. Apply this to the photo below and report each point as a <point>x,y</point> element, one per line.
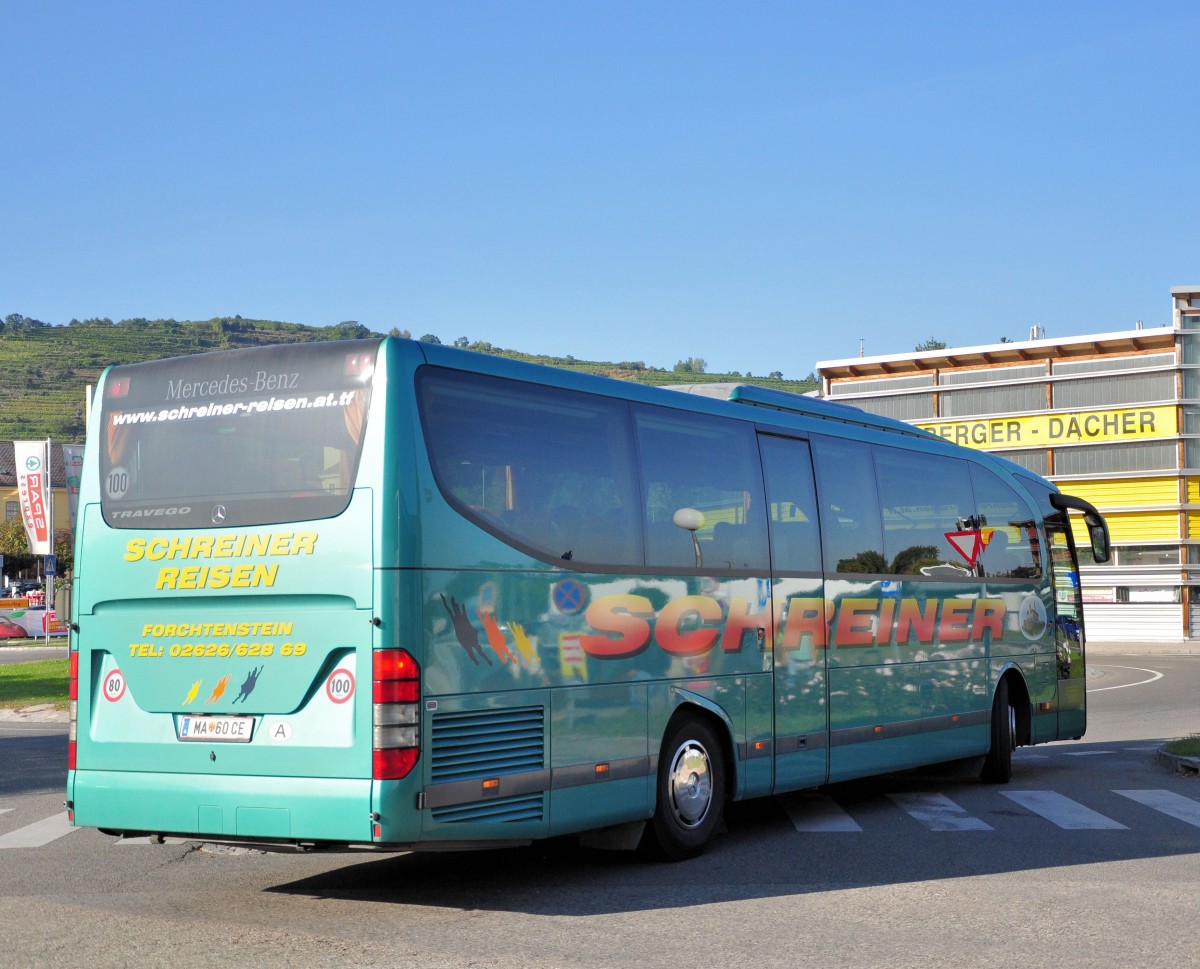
<point>938,813</point>
<point>1154,675</point>
<point>1063,812</point>
<point>39,833</point>
<point>1167,802</point>
<point>817,813</point>
<point>1089,753</point>
<point>6,810</point>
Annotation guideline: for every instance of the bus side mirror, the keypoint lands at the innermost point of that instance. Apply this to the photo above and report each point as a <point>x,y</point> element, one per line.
<point>1096,526</point>
<point>1098,533</point>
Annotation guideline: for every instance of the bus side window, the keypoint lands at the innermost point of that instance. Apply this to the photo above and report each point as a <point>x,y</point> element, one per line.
<point>1010,551</point>
<point>709,466</point>
<point>925,499</point>
<point>549,470</point>
<point>851,536</point>
<point>792,501</point>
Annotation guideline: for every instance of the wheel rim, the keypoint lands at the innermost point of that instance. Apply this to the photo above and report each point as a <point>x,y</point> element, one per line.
<point>690,784</point>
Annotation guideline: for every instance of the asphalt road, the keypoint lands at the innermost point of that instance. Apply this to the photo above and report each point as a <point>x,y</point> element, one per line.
<point>24,653</point>
<point>1089,857</point>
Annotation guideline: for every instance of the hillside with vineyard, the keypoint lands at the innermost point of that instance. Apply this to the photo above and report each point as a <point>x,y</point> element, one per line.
<point>45,370</point>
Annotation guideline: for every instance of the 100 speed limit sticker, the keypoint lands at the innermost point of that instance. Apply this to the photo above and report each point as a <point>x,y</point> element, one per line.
<point>340,685</point>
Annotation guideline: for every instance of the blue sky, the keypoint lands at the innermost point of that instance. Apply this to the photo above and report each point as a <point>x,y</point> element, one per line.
<point>760,185</point>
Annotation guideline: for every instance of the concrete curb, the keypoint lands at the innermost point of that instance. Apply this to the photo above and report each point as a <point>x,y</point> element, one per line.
<point>1178,764</point>
<point>38,713</point>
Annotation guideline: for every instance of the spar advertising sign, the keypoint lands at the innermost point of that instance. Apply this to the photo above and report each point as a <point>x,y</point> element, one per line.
<point>33,489</point>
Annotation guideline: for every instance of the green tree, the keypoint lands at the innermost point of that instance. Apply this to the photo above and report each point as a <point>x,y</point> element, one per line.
<point>869,562</point>
<point>933,343</point>
<point>910,561</point>
<point>692,365</point>
<point>64,551</point>
<point>14,545</point>
<point>351,330</point>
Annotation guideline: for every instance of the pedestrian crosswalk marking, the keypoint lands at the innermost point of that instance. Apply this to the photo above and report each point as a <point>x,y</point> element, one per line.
<point>39,833</point>
<point>938,813</point>
<point>817,813</point>
<point>1169,803</point>
<point>1063,812</point>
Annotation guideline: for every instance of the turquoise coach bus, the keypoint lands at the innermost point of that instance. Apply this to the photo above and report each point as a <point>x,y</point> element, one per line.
<point>382,594</point>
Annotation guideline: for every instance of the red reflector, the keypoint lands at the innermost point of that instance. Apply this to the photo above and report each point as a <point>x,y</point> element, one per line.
<point>359,365</point>
<point>394,664</point>
<point>396,691</point>
<point>390,765</point>
<point>71,754</point>
<point>73,693</point>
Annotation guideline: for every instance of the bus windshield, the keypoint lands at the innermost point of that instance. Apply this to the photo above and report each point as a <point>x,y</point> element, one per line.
<point>239,438</point>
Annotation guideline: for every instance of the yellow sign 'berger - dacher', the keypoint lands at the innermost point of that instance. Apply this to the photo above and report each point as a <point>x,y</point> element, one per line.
<point>1050,430</point>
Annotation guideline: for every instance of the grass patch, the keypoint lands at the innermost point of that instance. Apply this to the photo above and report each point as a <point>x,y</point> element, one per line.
<point>1185,746</point>
<point>39,681</point>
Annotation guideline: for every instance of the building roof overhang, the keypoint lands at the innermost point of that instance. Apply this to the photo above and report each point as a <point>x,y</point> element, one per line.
<point>1000,354</point>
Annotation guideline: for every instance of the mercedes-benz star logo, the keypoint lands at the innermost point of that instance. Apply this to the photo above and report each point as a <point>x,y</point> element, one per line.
<point>218,514</point>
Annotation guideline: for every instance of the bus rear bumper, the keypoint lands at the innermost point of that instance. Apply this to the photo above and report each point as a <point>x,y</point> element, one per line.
<point>284,812</point>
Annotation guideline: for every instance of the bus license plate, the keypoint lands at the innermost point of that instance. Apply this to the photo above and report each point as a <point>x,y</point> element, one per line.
<point>216,730</point>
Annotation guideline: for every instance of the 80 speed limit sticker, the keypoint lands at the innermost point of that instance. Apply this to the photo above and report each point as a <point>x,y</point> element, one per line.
<point>114,686</point>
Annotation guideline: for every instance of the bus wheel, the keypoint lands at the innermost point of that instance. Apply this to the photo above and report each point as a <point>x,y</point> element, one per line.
<point>691,791</point>
<point>997,767</point>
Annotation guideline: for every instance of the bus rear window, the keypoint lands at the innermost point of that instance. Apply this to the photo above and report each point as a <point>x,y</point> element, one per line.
<point>239,437</point>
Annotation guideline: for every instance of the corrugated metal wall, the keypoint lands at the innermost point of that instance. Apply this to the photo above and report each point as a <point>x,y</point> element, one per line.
<point>1133,623</point>
<point>1126,492</point>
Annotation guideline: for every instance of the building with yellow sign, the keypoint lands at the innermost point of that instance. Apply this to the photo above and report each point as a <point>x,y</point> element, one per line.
<point>1111,417</point>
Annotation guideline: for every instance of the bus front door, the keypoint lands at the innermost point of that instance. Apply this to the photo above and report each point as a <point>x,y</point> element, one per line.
<point>1068,632</point>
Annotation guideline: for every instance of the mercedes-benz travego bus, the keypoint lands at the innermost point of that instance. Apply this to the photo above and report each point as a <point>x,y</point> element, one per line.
<point>382,594</point>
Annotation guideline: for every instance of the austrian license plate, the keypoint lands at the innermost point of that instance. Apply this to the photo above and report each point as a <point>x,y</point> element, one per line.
<point>216,730</point>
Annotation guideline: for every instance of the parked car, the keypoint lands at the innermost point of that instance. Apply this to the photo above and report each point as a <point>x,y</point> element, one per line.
<point>21,590</point>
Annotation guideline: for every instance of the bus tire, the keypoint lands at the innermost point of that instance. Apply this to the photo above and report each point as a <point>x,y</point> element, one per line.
<point>997,766</point>
<point>691,791</point>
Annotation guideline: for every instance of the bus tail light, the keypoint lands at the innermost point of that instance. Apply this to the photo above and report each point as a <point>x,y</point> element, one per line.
<point>396,714</point>
<point>73,707</point>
